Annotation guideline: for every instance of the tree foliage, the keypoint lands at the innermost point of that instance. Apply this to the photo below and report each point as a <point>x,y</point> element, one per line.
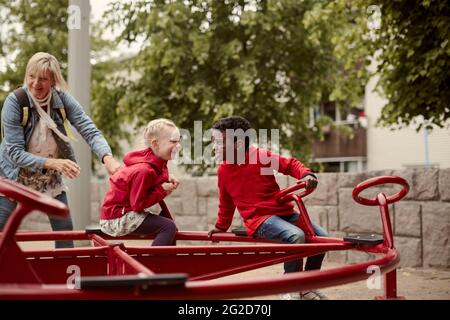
<point>269,61</point>
<point>30,26</point>
<point>414,62</point>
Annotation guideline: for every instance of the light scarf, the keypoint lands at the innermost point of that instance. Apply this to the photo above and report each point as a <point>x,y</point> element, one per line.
<point>45,117</point>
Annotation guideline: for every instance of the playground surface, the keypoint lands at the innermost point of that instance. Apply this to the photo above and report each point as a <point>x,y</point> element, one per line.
<point>413,284</point>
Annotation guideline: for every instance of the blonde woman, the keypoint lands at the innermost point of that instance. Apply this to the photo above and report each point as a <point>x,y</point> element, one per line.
<point>141,183</point>
<point>35,149</point>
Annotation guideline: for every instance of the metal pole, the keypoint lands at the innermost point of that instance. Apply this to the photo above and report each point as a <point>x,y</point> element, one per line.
<point>79,79</point>
<point>427,151</point>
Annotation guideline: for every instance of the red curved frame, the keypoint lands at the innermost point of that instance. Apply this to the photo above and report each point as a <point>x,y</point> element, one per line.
<point>25,274</point>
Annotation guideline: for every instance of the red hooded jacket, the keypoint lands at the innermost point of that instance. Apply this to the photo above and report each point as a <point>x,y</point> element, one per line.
<point>251,187</point>
<point>136,186</point>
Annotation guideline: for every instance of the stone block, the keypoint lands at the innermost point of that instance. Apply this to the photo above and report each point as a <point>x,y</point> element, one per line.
<point>410,250</point>
<point>436,233</point>
<point>326,192</point>
<point>356,218</point>
<point>318,215</point>
<point>333,218</point>
<point>408,218</point>
<point>192,223</point>
<point>212,207</point>
<point>174,205</point>
<point>188,195</point>
<point>207,186</point>
<point>350,179</point>
<point>426,183</point>
<point>202,206</point>
<point>444,184</point>
<point>379,173</point>
<point>408,175</point>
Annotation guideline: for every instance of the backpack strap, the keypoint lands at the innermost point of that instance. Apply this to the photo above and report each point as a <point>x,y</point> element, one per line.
<point>22,98</point>
<point>63,114</point>
<point>62,111</point>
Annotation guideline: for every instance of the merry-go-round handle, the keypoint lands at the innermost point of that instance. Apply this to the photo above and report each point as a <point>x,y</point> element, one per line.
<point>38,201</point>
<point>285,195</point>
<point>377,181</point>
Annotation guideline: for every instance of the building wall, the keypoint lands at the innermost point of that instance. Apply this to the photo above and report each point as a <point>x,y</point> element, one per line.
<point>421,222</point>
<point>402,148</point>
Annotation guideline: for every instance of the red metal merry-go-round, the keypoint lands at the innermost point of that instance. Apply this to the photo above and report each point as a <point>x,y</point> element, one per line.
<point>111,270</point>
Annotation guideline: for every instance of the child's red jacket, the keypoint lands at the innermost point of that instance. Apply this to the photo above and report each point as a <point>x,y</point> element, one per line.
<point>136,186</point>
<point>252,191</point>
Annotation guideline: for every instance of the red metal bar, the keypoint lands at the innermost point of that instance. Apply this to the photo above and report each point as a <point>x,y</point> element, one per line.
<point>390,286</point>
<point>115,259</point>
<point>377,181</point>
<point>303,248</point>
<point>27,236</point>
<point>207,265</point>
<point>386,221</point>
<point>304,222</point>
<point>99,241</point>
<point>70,252</point>
<point>130,263</point>
<point>299,281</point>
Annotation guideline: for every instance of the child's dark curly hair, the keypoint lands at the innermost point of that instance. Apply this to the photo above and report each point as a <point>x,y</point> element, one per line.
<point>234,123</point>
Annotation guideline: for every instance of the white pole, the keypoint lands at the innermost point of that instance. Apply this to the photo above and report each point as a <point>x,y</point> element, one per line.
<point>79,80</point>
<point>427,150</point>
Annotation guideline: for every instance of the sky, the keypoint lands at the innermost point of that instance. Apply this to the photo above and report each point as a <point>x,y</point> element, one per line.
<point>98,7</point>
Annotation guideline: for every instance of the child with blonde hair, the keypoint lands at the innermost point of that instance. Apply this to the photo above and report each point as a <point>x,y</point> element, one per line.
<point>141,183</point>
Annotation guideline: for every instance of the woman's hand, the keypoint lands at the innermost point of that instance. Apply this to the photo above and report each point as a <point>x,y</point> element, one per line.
<point>65,166</point>
<point>111,164</point>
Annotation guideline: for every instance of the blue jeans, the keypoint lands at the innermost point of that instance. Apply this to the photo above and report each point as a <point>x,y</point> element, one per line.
<point>284,229</point>
<point>7,207</point>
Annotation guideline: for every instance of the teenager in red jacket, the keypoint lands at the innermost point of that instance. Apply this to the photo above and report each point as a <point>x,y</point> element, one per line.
<point>246,181</point>
<point>140,184</point>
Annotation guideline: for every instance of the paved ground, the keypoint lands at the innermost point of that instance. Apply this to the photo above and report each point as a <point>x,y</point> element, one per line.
<point>413,283</point>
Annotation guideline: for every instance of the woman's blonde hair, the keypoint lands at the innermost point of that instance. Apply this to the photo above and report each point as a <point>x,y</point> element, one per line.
<point>41,62</point>
<point>153,128</point>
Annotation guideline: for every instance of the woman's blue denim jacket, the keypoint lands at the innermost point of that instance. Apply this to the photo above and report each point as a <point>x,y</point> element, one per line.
<point>13,149</point>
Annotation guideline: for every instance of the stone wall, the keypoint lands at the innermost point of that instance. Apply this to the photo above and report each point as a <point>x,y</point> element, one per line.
<point>421,221</point>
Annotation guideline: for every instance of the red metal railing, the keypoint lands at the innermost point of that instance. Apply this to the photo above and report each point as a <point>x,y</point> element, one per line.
<point>42,274</point>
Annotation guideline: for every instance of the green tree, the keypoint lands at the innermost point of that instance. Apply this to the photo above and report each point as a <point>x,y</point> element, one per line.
<point>414,61</point>
<point>32,26</point>
<point>269,61</point>
<point>29,27</point>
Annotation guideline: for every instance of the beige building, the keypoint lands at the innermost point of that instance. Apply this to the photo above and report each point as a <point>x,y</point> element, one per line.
<point>404,148</point>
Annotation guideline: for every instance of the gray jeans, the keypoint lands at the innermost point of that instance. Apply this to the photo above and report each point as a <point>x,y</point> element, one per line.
<point>7,207</point>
